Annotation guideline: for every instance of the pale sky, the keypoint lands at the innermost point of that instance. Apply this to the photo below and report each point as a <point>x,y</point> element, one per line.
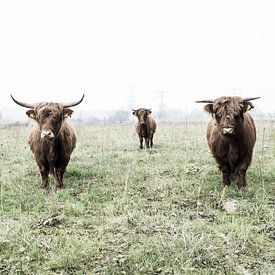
<point>55,50</point>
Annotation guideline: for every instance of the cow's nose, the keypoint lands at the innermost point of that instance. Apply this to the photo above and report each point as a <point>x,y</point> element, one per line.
<point>47,134</point>
<point>228,130</point>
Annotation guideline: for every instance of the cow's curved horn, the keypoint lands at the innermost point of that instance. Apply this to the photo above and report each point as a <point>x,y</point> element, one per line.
<point>23,104</point>
<point>205,101</point>
<point>250,98</point>
<point>66,105</point>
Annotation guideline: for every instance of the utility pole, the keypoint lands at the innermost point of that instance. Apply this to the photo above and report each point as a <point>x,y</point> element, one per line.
<point>131,97</point>
<point>162,95</point>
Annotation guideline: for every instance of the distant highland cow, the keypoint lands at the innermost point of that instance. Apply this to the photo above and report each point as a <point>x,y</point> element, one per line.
<point>52,139</point>
<point>145,127</point>
<point>231,135</point>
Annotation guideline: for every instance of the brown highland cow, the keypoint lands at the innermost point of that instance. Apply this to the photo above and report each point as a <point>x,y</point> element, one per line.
<point>52,139</point>
<point>231,135</point>
<point>145,127</point>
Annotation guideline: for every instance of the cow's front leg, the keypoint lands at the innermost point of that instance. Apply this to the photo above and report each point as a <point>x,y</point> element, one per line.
<point>147,141</point>
<point>59,172</point>
<point>240,178</point>
<point>151,142</point>
<point>240,172</point>
<point>226,174</point>
<point>141,142</point>
<point>44,171</point>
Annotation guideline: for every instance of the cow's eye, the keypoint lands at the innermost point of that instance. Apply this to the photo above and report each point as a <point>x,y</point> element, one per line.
<point>46,114</point>
<point>237,116</point>
<point>56,118</point>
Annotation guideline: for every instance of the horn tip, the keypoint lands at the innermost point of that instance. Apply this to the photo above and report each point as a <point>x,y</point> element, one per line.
<point>204,101</point>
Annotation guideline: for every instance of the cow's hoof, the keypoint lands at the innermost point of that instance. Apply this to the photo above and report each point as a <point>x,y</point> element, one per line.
<point>58,188</point>
<point>241,188</point>
<point>225,184</point>
<point>46,190</point>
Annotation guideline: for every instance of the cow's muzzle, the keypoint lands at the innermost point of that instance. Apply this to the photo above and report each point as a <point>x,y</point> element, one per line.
<point>47,134</point>
<point>228,130</point>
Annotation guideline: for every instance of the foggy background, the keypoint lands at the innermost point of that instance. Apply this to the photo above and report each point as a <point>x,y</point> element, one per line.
<point>157,54</point>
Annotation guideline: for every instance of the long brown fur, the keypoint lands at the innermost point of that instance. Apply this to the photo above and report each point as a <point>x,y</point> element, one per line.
<point>52,155</point>
<point>145,127</point>
<point>232,152</point>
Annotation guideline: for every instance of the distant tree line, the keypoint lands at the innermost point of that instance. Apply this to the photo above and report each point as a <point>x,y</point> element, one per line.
<point>124,116</point>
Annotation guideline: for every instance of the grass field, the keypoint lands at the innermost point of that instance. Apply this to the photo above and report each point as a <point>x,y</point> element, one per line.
<point>129,211</point>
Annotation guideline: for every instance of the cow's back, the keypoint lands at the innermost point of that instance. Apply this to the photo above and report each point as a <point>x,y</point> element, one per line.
<point>152,124</point>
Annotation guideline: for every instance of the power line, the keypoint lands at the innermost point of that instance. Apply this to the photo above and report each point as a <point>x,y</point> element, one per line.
<point>131,97</point>
<point>162,95</point>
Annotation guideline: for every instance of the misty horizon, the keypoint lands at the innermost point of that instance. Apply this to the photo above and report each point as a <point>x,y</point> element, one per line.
<point>57,50</point>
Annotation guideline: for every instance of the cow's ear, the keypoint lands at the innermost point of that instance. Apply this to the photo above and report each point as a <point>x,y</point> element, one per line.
<point>134,113</point>
<point>67,113</point>
<point>31,113</point>
<point>149,112</point>
<point>248,106</point>
<point>209,108</point>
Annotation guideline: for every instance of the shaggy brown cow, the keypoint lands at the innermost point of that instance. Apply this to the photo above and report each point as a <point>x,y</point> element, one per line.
<point>145,127</point>
<point>52,139</point>
<point>231,135</point>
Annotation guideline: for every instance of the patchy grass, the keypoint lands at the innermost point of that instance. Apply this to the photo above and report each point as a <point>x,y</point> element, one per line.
<point>130,211</point>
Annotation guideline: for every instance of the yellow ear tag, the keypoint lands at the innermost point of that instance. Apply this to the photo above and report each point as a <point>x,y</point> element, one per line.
<point>249,107</point>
